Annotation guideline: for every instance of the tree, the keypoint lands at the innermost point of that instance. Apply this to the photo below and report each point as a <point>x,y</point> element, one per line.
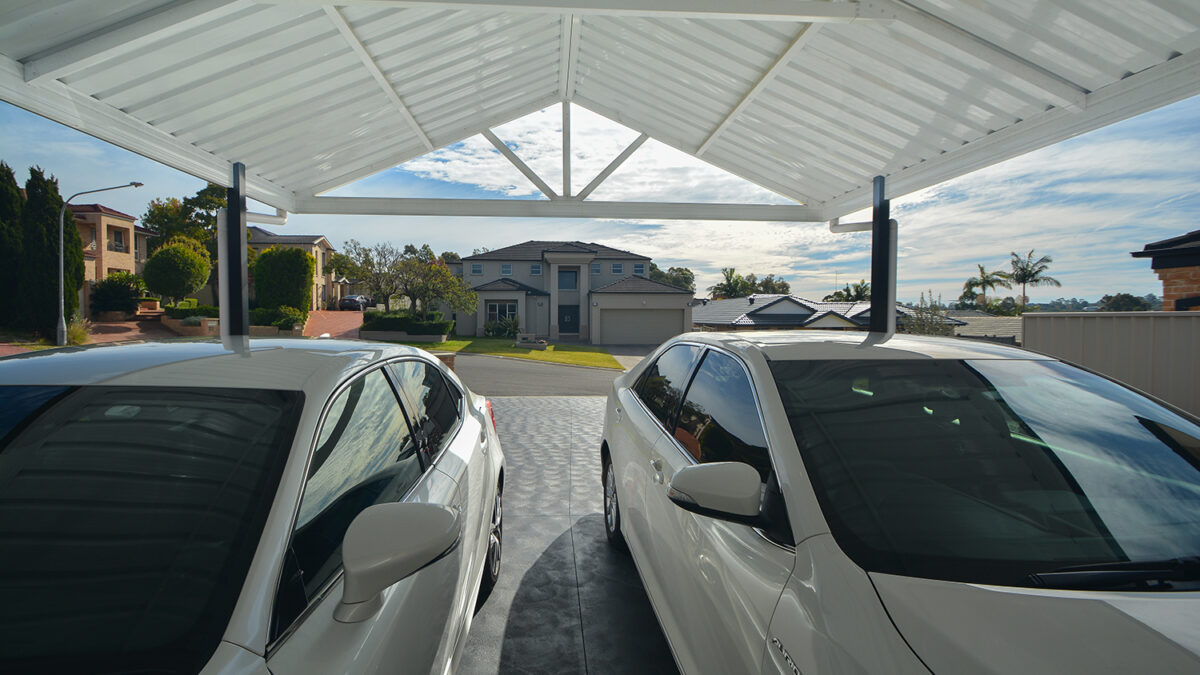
<point>425,280</point>
<point>1027,271</point>
<point>118,292</point>
<point>928,318</point>
<point>859,292</point>
<point>450,257</point>
<point>1123,302</point>
<point>986,281</point>
<point>39,257</point>
<point>341,264</point>
<point>11,244</point>
<point>769,284</point>
<point>733,285</point>
<point>283,277</point>
<point>194,217</point>
<point>176,271</point>
<point>679,277</point>
<point>377,267</point>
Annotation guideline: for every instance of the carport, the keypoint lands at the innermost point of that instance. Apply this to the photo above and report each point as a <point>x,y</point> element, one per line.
<point>834,105</point>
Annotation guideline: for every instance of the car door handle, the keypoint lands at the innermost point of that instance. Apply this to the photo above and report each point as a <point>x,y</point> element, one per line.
<point>617,410</point>
<point>656,464</point>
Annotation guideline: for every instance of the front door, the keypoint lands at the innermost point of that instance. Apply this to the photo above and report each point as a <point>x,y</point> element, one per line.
<point>568,318</point>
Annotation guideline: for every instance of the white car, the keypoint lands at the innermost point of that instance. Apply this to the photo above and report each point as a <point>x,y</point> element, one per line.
<point>308,506</point>
<point>816,502</point>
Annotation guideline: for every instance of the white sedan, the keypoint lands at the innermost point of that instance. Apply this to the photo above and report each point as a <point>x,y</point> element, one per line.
<point>813,502</point>
<point>303,507</point>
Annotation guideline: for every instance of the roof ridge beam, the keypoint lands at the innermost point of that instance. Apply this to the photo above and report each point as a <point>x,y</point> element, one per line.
<point>612,166</point>
<point>569,56</point>
<point>1062,92</point>
<point>369,63</point>
<point>806,34</point>
<point>126,36</point>
<point>810,11</point>
<point>521,165</point>
<point>561,208</point>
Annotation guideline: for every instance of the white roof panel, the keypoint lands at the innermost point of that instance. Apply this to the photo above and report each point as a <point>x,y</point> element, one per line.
<point>808,98</point>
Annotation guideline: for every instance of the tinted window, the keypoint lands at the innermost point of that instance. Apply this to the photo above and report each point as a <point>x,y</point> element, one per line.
<point>662,385</point>
<point>568,280</point>
<point>364,456</point>
<point>719,418</point>
<point>989,471</point>
<point>433,404</point>
<point>128,519</point>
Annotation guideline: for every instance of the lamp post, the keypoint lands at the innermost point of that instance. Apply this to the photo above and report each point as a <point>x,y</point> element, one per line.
<point>61,338</point>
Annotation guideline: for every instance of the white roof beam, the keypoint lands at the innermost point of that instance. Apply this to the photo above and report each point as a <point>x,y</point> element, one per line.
<point>569,62</point>
<point>562,208</point>
<point>808,11</point>
<point>612,166</point>
<point>369,63</point>
<point>171,19</point>
<point>1061,92</point>
<point>521,166</point>
<point>566,148</point>
<point>806,34</point>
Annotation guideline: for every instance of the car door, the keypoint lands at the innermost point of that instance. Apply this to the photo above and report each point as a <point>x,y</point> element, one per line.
<point>721,580</point>
<point>365,453</point>
<point>455,443</point>
<point>647,410</point>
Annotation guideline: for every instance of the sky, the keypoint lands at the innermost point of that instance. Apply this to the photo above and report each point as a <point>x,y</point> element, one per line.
<point>1086,202</point>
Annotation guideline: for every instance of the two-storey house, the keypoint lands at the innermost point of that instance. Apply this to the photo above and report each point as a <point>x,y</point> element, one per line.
<point>327,288</point>
<point>575,291</point>
<point>111,241</point>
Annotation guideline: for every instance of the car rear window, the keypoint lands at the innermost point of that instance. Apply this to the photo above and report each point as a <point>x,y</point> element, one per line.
<point>988,471</point>
<point>128,519</point>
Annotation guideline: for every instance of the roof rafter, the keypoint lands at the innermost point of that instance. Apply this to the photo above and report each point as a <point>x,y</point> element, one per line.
<point>612,166</point>
<point>569,61</point>
<point>123,37</point>
<point>759,10</point>
<point>1061,92</point>
<point>561,208</point>
<point>520,164</point>
<point>807,33</point>
<point>369,63</point>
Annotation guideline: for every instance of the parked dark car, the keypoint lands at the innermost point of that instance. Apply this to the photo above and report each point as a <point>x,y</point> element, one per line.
<point>355,302</point>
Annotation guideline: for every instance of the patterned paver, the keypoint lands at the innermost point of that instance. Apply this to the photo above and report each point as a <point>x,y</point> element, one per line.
<point>337,324</point>
<point>566,601</point>
<point>6,349</point>
<point>116,331</point>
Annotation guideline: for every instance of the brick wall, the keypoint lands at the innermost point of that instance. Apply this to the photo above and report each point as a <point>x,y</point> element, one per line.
<point>1179,283</point>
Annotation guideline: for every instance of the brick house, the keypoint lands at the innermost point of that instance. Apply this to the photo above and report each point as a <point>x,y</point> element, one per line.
<point>1177,262</point>
<point>112,242</point>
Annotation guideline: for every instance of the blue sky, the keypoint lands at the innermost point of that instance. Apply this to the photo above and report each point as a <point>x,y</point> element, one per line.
<point>1087,202</point>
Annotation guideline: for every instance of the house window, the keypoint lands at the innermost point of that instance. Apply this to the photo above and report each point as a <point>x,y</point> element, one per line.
<point>568,280</point>
<point>501,310</point>
<point>476,268</point>
<point>639,268</point>
<point>506,270</point>
<point>535,269</point>
<point>618,268</point>
<point>595,268</point>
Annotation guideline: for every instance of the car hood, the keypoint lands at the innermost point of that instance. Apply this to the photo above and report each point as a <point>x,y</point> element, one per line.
<point>959,628</point>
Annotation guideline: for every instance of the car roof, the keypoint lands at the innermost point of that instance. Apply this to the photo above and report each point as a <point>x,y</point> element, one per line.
<point>808,345</point>
<point>286,364</point>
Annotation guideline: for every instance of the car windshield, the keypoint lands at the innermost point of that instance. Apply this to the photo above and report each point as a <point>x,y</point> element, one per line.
<point>128,518</point>
<point>988,471</point>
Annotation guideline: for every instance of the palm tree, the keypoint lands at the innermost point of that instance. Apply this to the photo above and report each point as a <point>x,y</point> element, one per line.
<point>1032,272</point>
<point>986,281</point>
<point>859,292</point>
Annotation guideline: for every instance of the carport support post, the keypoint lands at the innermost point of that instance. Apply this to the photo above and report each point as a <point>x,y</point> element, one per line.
<point>883,264</point>
<point>232,276</point>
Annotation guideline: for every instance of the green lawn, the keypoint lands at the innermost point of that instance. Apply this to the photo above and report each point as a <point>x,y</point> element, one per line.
<point>579,355</point>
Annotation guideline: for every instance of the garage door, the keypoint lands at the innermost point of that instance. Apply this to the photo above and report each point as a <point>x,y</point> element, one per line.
<point>639,326</point>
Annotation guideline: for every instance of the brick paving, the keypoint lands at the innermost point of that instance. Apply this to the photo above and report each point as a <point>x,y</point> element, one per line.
<point>7,349</point>
<point>337,324</point>
<point>117,331</point>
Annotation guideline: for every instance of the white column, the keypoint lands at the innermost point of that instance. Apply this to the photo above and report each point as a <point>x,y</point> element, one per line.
<point>553,301</point>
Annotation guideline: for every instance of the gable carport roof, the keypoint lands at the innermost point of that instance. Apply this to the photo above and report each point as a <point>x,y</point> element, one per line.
<point>808,98</point>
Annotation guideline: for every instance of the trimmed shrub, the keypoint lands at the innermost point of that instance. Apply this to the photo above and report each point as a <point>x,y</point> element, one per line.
<point>176,271</point>
<point>289,318</point>
<point>263,316</point>
<point>118,292</point>
<point>508,327</point>
<point>283,277</point>
<point>184,312</point>
<point>401,321</point>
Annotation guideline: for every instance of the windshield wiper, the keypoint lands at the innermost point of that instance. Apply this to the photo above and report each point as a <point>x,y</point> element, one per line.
<point>1145,574</point>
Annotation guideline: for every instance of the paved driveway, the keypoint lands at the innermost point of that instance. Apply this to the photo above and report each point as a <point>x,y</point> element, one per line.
<point>566,602</point>
<point>498,376</point>
<point>337,324</point>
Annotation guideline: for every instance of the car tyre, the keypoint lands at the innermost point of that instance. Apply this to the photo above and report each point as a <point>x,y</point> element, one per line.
<point>491,563</point>
<point>612,507</point>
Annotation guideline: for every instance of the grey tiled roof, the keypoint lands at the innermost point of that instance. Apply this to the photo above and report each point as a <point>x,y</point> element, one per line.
<point>509,285</point>
<point>749,311</point>
<point>533,250</point>
<point>992,326</point>
<point>639,284</point>
<point>261,236</point>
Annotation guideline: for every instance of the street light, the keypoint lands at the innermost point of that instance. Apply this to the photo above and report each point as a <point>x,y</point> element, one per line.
<point>62,321</point>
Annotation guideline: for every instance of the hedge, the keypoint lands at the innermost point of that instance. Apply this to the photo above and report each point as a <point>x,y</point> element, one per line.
<point>283,277</point>
<point>199,310</point>
<point>406,323</point>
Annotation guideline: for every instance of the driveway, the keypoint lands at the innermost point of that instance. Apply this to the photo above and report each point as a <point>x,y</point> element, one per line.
<point>499,376</point>
<point>337,324</point>
<point>118,331</point>
<point>566,602</point>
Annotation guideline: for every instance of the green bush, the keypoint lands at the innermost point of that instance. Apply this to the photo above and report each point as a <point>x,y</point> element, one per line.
<point>187,302</point>
<point>289,317</point>
<point>193,320</point>
<point>197,310</point>
<point>401,321</point>
<point>283,277</point>
<point>148,298</point>
<point>263,316</point>
<point>118,292</point>
<point>176,271</point>
<point>508,327</point>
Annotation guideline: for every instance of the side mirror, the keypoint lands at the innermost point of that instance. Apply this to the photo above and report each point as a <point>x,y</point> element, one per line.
<point>387,543</point>
<point>725,490</point>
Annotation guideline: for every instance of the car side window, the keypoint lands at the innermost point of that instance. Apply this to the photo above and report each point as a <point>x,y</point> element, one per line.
<point>433,405</point>
<point>719,420</point>
<point>662,386</point>
<point>365,455</point>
